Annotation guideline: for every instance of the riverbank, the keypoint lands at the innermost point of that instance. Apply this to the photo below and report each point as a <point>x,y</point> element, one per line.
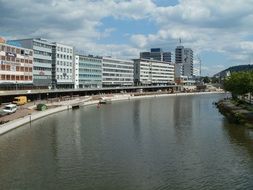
<point>237,111</point>
<point>94,100</point>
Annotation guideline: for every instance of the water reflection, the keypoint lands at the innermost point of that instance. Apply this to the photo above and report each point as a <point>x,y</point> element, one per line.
<point>182,117</point>
<point>136,121</point>
<point>159,143</point>
<point>239,136</point>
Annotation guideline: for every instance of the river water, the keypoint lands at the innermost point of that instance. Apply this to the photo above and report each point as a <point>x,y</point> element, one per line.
<point>148,144</point>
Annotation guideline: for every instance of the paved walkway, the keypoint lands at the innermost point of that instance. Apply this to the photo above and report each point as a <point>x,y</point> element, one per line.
<point>30,108</point>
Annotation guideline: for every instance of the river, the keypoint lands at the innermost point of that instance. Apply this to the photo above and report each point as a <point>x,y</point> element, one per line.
<point>147,144</point>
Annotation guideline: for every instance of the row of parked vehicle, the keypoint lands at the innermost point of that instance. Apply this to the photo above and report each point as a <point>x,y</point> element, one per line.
<point>12,108</point>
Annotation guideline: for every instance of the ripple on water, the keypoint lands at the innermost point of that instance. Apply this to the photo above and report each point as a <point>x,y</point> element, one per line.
<point>151,144</point>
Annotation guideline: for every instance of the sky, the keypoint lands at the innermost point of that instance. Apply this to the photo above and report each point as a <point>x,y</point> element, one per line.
<point>219,32</point>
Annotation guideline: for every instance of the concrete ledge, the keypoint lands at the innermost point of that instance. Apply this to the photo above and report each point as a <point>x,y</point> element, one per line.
<point>125,97</point>
<point>29,118</point>
<point>11,125</point>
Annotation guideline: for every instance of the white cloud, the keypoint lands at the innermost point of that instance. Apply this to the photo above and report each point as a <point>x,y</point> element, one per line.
<point>210,25</point>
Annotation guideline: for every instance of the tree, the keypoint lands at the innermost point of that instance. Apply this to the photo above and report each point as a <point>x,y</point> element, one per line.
<point>206,79</point>
<point>239,83</point>
<point>215,80</point>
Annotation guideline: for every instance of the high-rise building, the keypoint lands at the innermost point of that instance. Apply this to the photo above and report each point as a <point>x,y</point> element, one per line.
<point>179,55</point>
<point>156,54</point>
<point>188,62</point>
<point>183,62</point>
<point>42,60</point>
<point>153,72</point>
<point>117,72</point>
<point>16,67</point>
<point>62,67</point>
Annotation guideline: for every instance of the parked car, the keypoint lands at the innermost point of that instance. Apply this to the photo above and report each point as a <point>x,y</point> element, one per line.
<point>10,108</point>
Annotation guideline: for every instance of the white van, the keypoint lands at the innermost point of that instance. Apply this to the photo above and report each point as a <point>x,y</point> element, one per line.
<point>10,108</point>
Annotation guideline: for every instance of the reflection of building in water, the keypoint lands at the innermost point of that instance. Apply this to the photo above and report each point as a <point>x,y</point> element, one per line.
<point>183,109</point>
<point>136,120</point>
<point>68,142</point>
<point>183,115</point>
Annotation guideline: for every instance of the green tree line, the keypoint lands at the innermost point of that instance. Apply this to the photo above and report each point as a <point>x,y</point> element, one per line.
<point>239,83</point>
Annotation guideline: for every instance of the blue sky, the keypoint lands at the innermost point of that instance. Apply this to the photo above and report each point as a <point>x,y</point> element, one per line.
<point>219,32</point>
<point>122,30</point>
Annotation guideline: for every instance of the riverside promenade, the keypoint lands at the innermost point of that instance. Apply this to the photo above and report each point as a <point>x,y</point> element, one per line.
<point>55,107</point>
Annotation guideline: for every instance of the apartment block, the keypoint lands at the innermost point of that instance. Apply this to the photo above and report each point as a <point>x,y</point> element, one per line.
<point>117,72</point>
<point>152,72</point>
<point>16,65</point>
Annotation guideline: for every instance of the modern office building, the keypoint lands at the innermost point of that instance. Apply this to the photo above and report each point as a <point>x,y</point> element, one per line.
<point>62,66</point>
<point>188,65</point>
<point>16,65</point>
<point>117,72</point>
<point>88,71</point>
<point>156,54</point>
<point>152,72</point>
<point>183,62</point>
<point>42,60</point>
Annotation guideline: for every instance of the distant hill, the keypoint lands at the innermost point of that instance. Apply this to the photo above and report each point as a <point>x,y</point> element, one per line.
<point>238,68</point>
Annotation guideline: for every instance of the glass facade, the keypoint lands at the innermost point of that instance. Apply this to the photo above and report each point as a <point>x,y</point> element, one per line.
<point>90,72</point>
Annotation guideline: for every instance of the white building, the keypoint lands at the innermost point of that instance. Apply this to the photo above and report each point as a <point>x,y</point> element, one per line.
<point>117,72</point>
<point>152,72</point>
<point>62,67</point>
